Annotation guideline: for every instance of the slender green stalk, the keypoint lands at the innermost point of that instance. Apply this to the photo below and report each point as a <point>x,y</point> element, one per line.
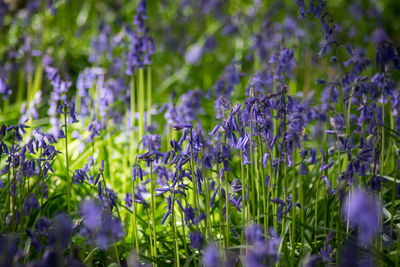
<point>132,152</point>
<point>153,255</point>
<point>301,201</point>
<point>221,204</point>
<point>149,95</point>
<point>141,102</point>
<point>195,194</point>
<point>270,190</point>
<point>264,197</point>
<point>293,205</point>
<point>174,234</point>
<point>242,177</point>
<point>392,212</point>
<point>226,209</point>
<point>117,254</point>
<point>208,216</point>
<point>67,162</point>
<point>184,232</point>
<point>316,211</point>
<point>134,218</point>
<point>382,163</point>
<point>252,176</point>
<point>153,208</point>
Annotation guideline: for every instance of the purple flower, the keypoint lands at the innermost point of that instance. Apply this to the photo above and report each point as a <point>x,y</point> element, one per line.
<point>30,203</point>
<point>196,240</point>
<point>128,200</point>
<point>302,8</point>
<point>193,54</point>
<point>60,231</point>
<point>42,225</point>
<point>99,226</point>
<point>34,239</point>
<point>211,256</point>
<point>303,169</point>
<point>326,166</point>
<point>5,91</point>
<point>362,211</point>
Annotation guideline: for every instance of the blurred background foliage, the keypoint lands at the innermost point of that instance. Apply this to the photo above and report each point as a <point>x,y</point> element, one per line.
<point>224,29</point>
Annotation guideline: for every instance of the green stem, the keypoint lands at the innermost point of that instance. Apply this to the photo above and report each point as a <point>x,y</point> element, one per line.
<point>174,234</point>
<point>67,162</point>
<point>293,205</point>
<point>141,102</point>
<point>149,95</point>
<point>153,207</point>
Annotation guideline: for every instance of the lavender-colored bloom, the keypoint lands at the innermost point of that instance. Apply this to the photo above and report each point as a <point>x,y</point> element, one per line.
<point>262,251</point>
<point>199,218</point>
<point>303,169</point>
<point>34,239</point>
<point>211,256</point>
<point>326,166</point>
<point>128,200</point>
<point>42,225</point>
<point>302,8</point>
<point>60,231</point>
<point>215,129</point>
<point>193,54</point>
<point>213,196</point>
<point>5,90</point>
<point>30,203</point>
<point>179,126</point>
<point>139,199</point>
<point>387,52</point>
<point>189,215</point>
<point>326,180</point>
<point>99,226</point>
<point>362,211</point>
<point>196,240</point>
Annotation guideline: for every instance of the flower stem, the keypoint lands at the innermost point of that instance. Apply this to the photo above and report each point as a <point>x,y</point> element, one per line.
<point>67,162</point>
<point>153,208</point>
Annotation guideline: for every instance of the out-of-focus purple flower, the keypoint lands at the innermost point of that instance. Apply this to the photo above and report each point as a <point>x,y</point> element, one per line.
<point>128,200</point>
<point>303,169</point>
<point>5,90</point>
<point>211,256</point>
<point>302,8</point>
<point>34,239</point>
<point>99,226</point>
<point>189,215</point>
<point>386,53</point>
<point>326,166</point>
<point>30,203</point>
<point>193,54</point>
<point>196,240</point>
<point>9,250</point>
<point>262,251</point>
<point>42,225</point>
<point>362,211</point>
<point>60,231</point>
<point>141,16</point>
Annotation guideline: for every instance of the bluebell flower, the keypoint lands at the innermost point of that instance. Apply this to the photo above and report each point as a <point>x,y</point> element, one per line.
<point>303,169</point>
<point>302,8</point>
<point>196,240</point>
<point>30,203</point>
<point>42,225</point>
<point>34,239</point>
<point>362,211</point>
<point>60,231</point>
<point>5,90</point>
<point>128,200</point>
<point>99,226</point>
<point>211,256</point>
